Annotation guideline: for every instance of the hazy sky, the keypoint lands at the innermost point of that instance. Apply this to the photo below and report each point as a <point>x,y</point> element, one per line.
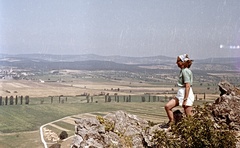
<point>201,28</point>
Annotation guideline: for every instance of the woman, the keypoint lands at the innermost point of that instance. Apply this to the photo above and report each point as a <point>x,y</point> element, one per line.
<point>185,96</point>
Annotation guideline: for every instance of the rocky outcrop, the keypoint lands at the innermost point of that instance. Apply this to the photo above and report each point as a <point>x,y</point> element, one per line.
<point>228,89</point>
<point>117,129</point>
<point>226,108</point>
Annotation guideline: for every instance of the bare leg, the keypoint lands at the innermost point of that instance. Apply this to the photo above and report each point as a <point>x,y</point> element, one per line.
<point>188,110</point>
<point>168,107</point>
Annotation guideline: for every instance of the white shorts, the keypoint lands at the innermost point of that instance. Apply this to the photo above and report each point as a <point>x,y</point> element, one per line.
<point>180,97</point>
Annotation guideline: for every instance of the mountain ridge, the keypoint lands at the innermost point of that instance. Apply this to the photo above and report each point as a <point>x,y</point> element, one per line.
<point>97,62</point>
<point>115,58</point>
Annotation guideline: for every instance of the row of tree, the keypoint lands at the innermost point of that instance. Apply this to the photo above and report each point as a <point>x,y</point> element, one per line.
<point>11,100</point>
<point>89,99</point>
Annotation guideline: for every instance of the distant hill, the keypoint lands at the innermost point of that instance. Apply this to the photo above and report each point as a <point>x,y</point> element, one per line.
<point>88,57</point>
<point>220,60</point>
<point>91,65</point>
<point>96,62</point>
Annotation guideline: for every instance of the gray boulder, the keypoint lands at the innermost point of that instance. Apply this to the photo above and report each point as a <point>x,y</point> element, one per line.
<point>226,108</point>
<point>117,129</point>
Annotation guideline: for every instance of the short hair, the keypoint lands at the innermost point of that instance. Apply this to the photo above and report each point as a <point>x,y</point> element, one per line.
<point>187,64</point>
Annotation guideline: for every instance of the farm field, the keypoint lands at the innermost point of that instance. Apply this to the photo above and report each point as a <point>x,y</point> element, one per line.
<point>36,89</point>
<point>19,125</point>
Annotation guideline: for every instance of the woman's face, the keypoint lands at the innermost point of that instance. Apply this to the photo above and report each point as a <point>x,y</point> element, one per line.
<point>179,62</point>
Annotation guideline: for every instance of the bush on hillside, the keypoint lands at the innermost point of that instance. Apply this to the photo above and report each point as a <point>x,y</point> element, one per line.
<point>197,131</point>
<point>63,135</point>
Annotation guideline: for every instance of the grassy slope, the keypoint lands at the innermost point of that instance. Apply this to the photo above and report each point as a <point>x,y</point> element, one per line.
<point>19,118</point>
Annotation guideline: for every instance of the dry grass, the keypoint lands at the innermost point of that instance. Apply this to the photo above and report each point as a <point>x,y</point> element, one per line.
<point>37,89</point>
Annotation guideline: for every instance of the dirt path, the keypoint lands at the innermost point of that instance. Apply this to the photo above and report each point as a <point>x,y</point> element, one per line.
<point>48,137</point>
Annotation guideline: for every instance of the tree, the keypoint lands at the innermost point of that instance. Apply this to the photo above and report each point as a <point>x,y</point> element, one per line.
<point>63,135</point>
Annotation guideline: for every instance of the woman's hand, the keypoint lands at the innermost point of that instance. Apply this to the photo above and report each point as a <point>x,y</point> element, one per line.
<point>184,103</point>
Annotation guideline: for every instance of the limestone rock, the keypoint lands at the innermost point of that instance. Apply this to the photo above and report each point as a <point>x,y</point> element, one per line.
<point>128,131</point>
<point>226,108</point>
<point>228,89</point>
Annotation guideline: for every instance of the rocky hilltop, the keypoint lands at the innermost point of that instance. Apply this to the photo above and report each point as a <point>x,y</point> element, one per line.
<point>121,129</point>
<point>226,108</point>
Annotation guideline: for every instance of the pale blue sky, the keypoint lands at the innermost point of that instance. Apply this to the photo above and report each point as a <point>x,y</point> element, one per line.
<point>121,27</point>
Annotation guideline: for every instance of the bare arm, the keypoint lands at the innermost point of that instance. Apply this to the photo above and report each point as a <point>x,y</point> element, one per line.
<point>187,88</point>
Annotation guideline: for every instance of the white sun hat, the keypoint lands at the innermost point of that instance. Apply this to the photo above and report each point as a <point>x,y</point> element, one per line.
<point>183,57</point>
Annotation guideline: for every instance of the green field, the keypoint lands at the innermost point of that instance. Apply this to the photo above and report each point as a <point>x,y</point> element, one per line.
<point>21,123</point>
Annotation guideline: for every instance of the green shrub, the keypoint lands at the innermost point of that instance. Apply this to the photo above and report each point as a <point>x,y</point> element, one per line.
<point>63,135</point>
<point>109,126</point>
<point>197,131</point>
<point>163,140</point>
